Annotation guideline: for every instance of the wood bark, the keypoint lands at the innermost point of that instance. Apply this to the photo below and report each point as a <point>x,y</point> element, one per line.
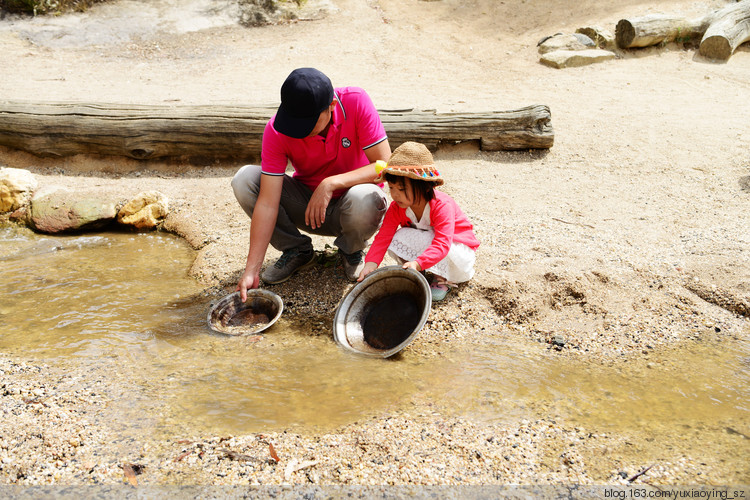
<point>729,28</point>
<point>657,28</point>
<point>234,132</point>
<point>720,32</point>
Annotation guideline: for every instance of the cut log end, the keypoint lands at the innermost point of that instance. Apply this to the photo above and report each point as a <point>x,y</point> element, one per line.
<point>716,47</point>
<point>624,34</point>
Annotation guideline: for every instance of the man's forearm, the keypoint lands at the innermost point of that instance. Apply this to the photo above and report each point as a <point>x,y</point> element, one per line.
<point>362,175</point>
<point>261,229</point>
<point>365,174</point>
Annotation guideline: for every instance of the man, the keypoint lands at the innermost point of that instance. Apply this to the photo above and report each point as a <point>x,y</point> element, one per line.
<point>331,137</point>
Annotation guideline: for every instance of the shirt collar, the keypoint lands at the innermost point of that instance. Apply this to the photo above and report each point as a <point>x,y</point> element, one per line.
<point>339,113</point>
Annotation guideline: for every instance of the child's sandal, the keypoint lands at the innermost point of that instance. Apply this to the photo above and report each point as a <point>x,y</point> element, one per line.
<point>438,291</point>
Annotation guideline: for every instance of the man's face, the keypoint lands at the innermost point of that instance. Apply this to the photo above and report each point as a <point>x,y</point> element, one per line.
<point>323,120</point>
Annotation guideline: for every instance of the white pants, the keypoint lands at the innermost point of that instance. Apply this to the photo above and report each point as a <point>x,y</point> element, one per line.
<point>409,243</point>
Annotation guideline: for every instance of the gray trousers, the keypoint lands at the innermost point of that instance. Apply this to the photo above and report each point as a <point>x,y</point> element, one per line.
<point>351,219</point>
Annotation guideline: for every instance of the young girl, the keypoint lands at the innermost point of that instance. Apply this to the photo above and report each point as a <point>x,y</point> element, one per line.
<point>423,229</point>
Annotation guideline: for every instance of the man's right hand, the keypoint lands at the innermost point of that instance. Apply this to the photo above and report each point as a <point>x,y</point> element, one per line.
<point>248,281</point>
<point>261,227</point>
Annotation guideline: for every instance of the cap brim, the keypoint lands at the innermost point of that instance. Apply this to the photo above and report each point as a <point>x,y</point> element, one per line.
<point>294,126</point>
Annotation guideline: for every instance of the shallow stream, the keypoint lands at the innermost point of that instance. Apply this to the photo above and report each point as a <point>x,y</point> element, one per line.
<point>122,305</point>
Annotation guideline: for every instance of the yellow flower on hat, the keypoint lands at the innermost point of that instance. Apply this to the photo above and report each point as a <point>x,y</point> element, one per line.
<point>380,165</point>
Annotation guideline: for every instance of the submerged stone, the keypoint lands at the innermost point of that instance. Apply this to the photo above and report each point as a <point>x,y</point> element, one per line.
<point>558,340</point>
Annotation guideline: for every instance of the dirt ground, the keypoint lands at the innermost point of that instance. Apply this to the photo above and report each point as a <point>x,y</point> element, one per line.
<point>631,230</point>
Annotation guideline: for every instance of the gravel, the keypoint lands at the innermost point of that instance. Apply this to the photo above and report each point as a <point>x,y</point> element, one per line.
<point>610,306</point>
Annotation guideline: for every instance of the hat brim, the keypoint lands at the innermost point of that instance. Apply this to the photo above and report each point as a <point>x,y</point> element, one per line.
<point>438,181</point>
<point>294,126</point>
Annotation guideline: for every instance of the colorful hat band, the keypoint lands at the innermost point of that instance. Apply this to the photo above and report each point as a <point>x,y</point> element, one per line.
<point>418,172</point>
<point>425,172</point>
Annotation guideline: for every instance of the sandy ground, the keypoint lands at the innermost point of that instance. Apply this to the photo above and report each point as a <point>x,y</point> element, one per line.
<point>631,231</point>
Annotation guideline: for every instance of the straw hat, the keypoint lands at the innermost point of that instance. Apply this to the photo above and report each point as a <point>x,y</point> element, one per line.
<point>412,160</point>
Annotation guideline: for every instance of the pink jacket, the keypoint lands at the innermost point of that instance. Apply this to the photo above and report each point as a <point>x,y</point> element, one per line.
<point>446,217</point>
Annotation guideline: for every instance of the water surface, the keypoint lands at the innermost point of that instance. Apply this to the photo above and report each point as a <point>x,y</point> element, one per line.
<point>123,305</point>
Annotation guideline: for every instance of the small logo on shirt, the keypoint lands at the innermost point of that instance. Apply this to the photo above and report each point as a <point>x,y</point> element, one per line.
<point>346,142</point>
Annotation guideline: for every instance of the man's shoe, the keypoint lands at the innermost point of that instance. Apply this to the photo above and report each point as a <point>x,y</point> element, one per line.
<point>289,263</point>
<point>353,264</point>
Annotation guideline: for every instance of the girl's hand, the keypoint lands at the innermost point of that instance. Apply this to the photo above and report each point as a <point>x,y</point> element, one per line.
<point>413,264</point>
<point>369,267</point>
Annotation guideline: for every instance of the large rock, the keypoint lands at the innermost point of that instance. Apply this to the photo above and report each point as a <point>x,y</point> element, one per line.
<point>146,211</point>
<point>602,37</point>
<point>57,210</point>
<point>561,41</point>
<point>16,187</point>
<point>573,58</point>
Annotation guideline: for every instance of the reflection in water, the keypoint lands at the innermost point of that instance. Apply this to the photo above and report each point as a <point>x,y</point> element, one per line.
<point>123,303</point>
<point>81,295</point>
<point>706,383</point>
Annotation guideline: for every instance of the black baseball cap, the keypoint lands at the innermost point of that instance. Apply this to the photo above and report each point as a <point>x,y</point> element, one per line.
<point>306,92</point>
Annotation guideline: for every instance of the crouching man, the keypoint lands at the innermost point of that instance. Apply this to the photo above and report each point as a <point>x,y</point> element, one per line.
<point>331,137</point>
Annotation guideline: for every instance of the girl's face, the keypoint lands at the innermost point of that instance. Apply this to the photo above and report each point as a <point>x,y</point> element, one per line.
<point>401,193</point>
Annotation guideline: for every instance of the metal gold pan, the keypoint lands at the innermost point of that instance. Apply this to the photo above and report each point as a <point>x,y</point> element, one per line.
<point>231,316</point>
<point>383,313</point>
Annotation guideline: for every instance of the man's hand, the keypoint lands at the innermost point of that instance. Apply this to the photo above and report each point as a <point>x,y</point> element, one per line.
<point>412,264</point>
<point>315,215</point>
<point>369,267</point>
<point>249,280</point>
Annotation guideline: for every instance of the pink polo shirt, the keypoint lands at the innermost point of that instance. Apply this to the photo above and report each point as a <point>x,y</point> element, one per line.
<point>356,126</point>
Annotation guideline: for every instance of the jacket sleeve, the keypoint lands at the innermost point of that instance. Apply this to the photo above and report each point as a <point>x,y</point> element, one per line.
<point>442,218</point>
<point>391,222</point>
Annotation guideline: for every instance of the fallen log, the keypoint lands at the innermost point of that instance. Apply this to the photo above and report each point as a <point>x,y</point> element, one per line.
<point>235,132</point>
<point>729,28</point>
<point>658,28</point>
<point>720,32</point>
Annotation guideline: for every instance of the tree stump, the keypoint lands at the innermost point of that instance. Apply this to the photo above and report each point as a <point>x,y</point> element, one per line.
<point>729,28</point>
